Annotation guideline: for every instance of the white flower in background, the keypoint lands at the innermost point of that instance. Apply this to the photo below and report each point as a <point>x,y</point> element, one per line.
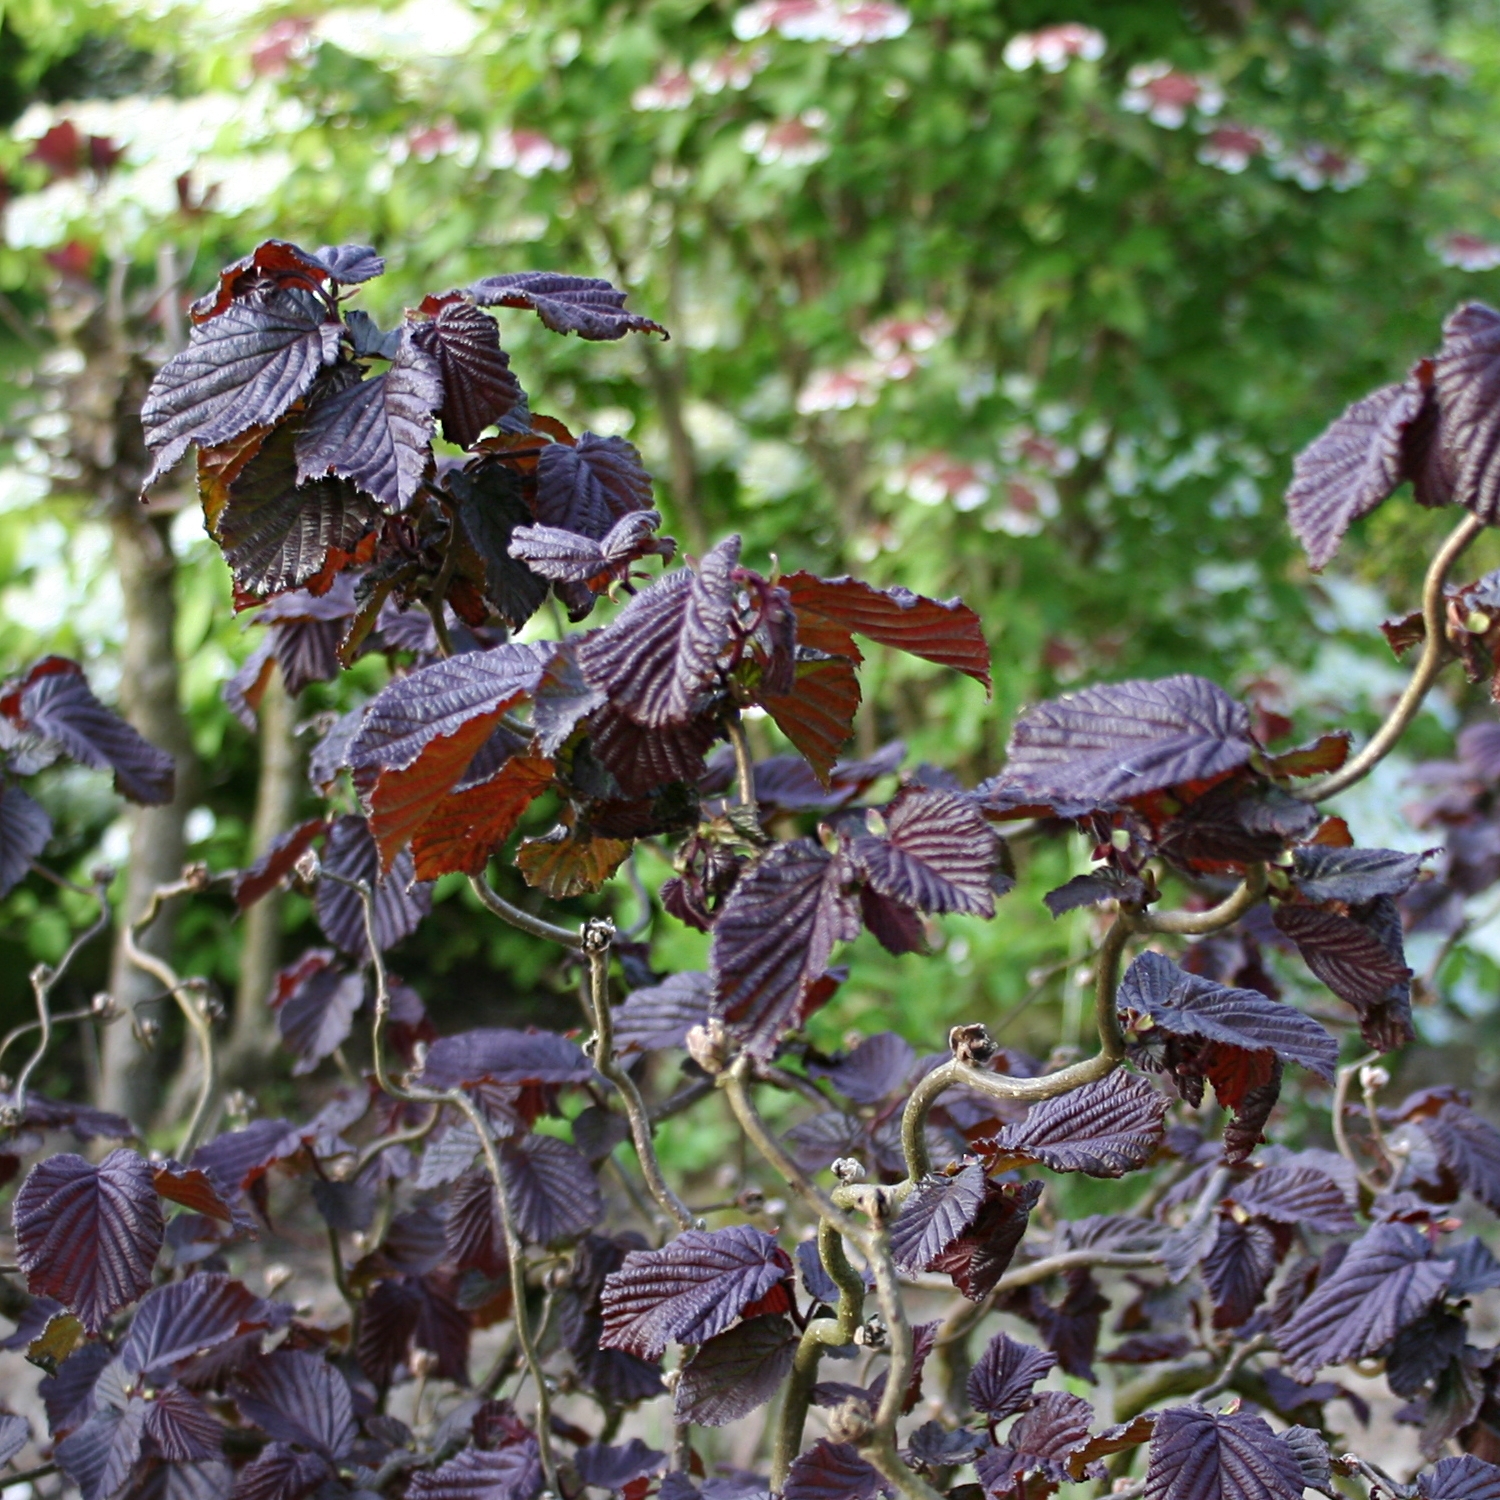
<point>1053,47</point>
<point>419,29</point>
<point>1166,96</point>
<point>898,342</point>
<point>1024,448</point>
<point>796,142</point>
<point>1027,504</point>
<point>670,89</point>
<point>941,479</point>
<point>840,390</point>
<point>1316,166</point>
<point>279,45</point>
<point>733,69</point>
<point>1467,252</point>
<point>845,23</point>
<point>426,143</point>
<point>1231,148</point>
<point>526,151</point>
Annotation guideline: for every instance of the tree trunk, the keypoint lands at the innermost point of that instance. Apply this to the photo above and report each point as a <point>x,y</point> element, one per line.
<point>149,699</point>
<point>260,945</point>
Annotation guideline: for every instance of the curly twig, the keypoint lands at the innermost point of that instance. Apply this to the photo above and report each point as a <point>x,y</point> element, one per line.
<point>537,927</point>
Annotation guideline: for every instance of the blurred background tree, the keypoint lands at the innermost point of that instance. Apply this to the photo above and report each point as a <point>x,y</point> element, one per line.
<point>1027,302</point>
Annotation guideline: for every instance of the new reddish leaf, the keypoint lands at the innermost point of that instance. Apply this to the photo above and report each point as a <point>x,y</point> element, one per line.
<point>817,716</point>
<point>478,386</point>
<point>690,1290</point>
<point>89,1235</point>
<point>938,854</point>
<point>468,826</point>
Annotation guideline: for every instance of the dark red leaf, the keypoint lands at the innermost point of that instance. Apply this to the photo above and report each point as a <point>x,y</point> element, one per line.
<point>1467,382</point>
<point>660,656</point>
<point>896,927</point>
<point>1050,1432</point>
<point>1157,996</point>
<point>1000,1382</point>
<point>1356,465</point>
<point>281,1473</point>
<point>690,1290</point>
<point>1469,1147</point>
<point>298,1398</point>
<point>606,1468</point>
<point>977,1259</point>
<point>773,939</point>
<point>880,1066</point>
<point>1296,1195</point>
<point>400,900</point>
<point>478,386</point>
<point>734,1373</point>
<point>817,716</point>
<point>474,1233</point>
<point>1105,884</point>
<point>552,1189</point>
<point>1105,1129</point>
<point>377,432</point>
<point>467,827</point>
<point>644,759</point>
<point>25,829</point>
<point>662,1014</point>
<point>89,1235</point>
<point>589,486</point>
<point>569,558</point>
<point>505,1057</point>
<point>938,854</point>
<point>182,1429</point>
<point>54,700</point>
<point>563,864</point>
<point>938,1210</point>
<point>1353,959</point>
<point>1326,753</point>
<point>1462,1478</point>
<point>1199,1455</point>
<point>510,1473</point>
<point>1387,1280</point>
<point>242,369</point>
<point>277,863</point>
<point>278,534</point>
<point>174,1323</point>
<point>833,1471</point>
<point>584,305</point>
<point>830,609</point>
<point>1126,739</point>
<point>491,506</point>
<point>1237,1268</point>
<point>1353,875</point>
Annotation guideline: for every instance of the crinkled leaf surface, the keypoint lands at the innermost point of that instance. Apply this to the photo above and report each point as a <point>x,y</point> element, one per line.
<point>661,1015</point>
<point>1198,1455</point>
<point>478,386</point>
<point>1000,1382</point>
<point>495,1055</point>
<point>25,829</point>
<point>736,1372</point>
<point>585,305</point>
<point>1105,1129</point>
<point>938,854</point>
<point>299,1398</point>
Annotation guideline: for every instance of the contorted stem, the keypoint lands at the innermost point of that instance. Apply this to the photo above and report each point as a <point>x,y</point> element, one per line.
<point>744,769</point>
<point>461,1101</point>
<point>535,926</point>
<point>191,996</point>
<point>1435,653</point>
<point>597,935</point>
<point>1346,1076</point>
<point>1196,923</point>
<point>958,1073</point>
<point>43,979</point>
<point>820,1334</point>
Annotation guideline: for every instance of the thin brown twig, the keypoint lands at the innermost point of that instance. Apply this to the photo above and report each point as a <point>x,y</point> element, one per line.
<point>1340,1131</point>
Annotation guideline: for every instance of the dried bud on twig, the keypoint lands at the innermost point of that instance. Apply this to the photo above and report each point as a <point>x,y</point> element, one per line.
<point>972,1044</point>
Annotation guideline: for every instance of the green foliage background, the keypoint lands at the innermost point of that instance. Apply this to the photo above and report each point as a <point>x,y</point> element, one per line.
<point>1173,330</point>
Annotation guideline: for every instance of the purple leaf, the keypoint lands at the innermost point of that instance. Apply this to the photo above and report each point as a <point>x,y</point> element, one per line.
<point>495,1055</point>
<point>939,1209</point>
<point>478,386</point>
<point>54,700</point>
<point>298,1398</point>
<point>643,759</point>
<point>1158,996</point>
<point>1237,1268</point>
<point>561,700</point>
<point>1000,1382</point>
<point>773,939</point>
<point>183,1430</point>
<point>881,1065</point>
<point>977,1259</point>
<point>377,433</point>
<point>15,1433</point>
<point>69,1394</point>
<point>1296,1195</point>
<point>1098,886</point>
<point>1325,873</point>
<point>1358,963</point>
<point>1463,1478</point>
<point>690,1290</point>
<point>584,305</point>
<point>474,1233</point>
<point>24,831</point>
<point>277,534</point>
<point>1105,1129</point>
<point>606,1468</point>
<point>569,558</point>
<point>1387,1280</point>
<point>661,1015</point>
<point>174,1323</point>
<point>589,487</point>
<point>1198,1455</point>
<point>833,1471</point>
<point>89,1235</point>
<point>938,854</point>
<point>350,264</point>
<point>1354,466</point>
<point>551,1188</point>
<point>660,656</point>
<point>281,1473</point>
<point>734,1373</point>
<point>1050,1432</point>
<point>315,1003</point>
<point>401,901</point>
<point>242,369</point>
<point>510,1473</point>
<point>1467,381</point>
<point>100,1455</point>
<point>491,506</point>
<point>1469,1147</point>
<point>236,1158</point>
<point>1125,739</point>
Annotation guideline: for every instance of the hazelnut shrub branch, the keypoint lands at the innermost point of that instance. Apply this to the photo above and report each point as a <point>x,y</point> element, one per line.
<point>533,769</point>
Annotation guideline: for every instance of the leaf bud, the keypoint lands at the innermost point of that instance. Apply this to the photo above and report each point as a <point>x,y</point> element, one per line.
<point>849,1169</point>
<point>147,1030</point>
<point>972,1044</point>
<point>103,875</point>
<point>104,1006</point>
<point>1477,622</point>
<point>751,1201</point>
<point>708,1046</point>
<point>597,934</point>
<point>851,1421</point>
<point>307,868</point>
<point>872,1334</point>
<point>196,876</point>
<point>1373,1078</point>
